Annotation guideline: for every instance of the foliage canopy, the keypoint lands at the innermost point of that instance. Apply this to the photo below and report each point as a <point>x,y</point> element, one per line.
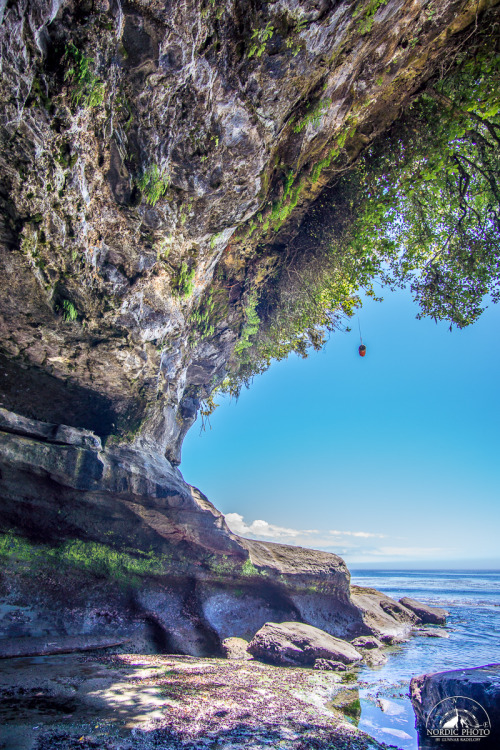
<point>431,201</point>
<point>421,209</point>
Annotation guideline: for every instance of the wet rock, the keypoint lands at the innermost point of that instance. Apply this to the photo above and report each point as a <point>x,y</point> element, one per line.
<point>374,658</point>
<point>328,665</point>
<point>462,705</point>
<point>424,612</point>
<point>431,633</point>
<point>347,701</point>
<point>248,705</point>
<point>366,641</point>
<point>371,648</point>
<point>293,643</point>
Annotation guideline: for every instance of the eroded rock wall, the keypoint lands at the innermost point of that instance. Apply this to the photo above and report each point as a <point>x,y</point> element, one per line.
<point>147,149</point>
<point>103,543</point>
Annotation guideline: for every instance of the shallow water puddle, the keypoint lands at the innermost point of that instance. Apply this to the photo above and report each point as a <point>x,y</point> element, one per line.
<point>389,720</point>
<point>377,706</point>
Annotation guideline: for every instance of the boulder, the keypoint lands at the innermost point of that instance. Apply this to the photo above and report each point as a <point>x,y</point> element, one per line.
<point>367,641</point>
<point>458,706</point>
<point>424,612</point>
<point>387,619</point>
<point>374,658</point>
<point>235,648</point>
<point>371,648</point>
<point>294,643</point>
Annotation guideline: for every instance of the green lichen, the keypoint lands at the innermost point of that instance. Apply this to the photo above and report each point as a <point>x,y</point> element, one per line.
<point>249,569</point>
<point>313,115</point>
<point>251,325</point>
<point>202,317</point>
<point>367,13</point>
<point>214,239</point>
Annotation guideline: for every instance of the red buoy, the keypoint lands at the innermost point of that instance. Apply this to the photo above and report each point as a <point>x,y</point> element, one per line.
<point>362,350</point>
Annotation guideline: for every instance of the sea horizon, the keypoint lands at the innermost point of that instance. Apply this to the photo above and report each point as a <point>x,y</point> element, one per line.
<point>434,569</point>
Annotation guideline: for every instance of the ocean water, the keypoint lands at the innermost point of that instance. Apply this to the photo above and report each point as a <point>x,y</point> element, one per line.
<point>472,599</point>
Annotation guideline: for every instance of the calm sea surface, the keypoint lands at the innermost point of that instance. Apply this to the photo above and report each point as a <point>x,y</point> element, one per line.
<point>472,599</point>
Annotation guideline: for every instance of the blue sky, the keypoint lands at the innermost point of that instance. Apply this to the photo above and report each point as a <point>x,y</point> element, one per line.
<point>391,460</point>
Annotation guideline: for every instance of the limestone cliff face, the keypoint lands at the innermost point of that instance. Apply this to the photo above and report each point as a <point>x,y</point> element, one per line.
<point>140,142</point>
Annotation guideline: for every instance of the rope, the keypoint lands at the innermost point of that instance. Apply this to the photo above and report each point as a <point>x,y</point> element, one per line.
<point>359,326</point>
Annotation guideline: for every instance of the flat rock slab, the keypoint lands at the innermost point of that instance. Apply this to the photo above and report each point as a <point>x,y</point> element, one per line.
<point>374,658</point>
<point>424,612</point>
<point>328,665</point>
<point>295,643</point>
<point>14,647</point>
<point>465,703</point>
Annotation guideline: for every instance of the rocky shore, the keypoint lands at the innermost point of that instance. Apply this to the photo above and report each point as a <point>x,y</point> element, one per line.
<point>189,591</point>
<point>125,701</point>
<point>72,509</point>
<point>131,702</point>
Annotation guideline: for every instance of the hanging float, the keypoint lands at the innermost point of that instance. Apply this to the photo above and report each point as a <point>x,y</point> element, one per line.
<point>361,347</point>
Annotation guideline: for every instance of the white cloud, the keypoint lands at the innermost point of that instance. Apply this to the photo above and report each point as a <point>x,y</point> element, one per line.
<point>260,528</point>
<point>353,546</point>
<point>236,523</point>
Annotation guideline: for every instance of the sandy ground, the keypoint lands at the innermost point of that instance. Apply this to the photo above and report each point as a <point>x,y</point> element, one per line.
<point>131,702</point>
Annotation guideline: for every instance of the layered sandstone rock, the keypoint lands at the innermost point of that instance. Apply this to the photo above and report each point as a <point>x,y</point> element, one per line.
<point>424,612</point>
<point>116,545</point>
<point>146,148</point>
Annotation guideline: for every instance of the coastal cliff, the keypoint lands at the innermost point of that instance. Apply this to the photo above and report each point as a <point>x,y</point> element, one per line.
<point>161,163</point>
<point>119,548</point>
<point>158,162</point>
